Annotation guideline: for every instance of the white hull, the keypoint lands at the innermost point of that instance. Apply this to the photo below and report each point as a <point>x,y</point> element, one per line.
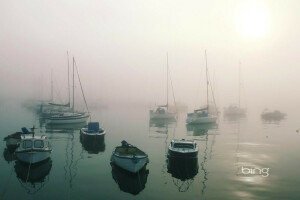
<point>201,120</point>
<point>33,156</point>
<point>68,121</point>
<point>167,115</point>
<point>132,165</point>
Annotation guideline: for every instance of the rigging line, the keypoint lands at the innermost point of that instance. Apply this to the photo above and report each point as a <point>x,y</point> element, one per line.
<point>29,168</point>
<point>173,91</point>
<point>213,95</point>
<point>197,95</point>
<point>81,87</point>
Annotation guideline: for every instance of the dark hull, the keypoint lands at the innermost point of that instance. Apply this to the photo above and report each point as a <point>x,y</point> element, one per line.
<point>93,145</point>
<point>37,172</point>
<point>186,155</point>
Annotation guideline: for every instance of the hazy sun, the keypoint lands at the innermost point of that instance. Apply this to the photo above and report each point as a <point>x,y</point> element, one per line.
<point>252,21</point>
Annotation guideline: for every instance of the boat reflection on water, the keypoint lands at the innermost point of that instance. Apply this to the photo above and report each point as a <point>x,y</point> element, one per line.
<point>200,129</point>
<point>33,177</point>
<point>9,155</point>
<point>183,172</point>
<point>161,123</point>
<point>129,182</point>
<point>92,145</point>
<point>159,128</point>
<point>233,118</point>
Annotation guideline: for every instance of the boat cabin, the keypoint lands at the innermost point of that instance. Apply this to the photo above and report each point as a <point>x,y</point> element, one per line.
<point>183,144</point>
<point>37,142</point>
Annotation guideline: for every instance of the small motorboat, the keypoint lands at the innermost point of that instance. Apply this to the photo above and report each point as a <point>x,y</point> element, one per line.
<point>33,149</point>
<point>183,149</point>
<point>13,140</point>
<point>129,157</point>
<point>93,130</point>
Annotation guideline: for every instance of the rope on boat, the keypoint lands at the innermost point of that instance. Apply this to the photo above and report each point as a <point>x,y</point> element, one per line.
<point>173,91</point>
<point>28,170</point>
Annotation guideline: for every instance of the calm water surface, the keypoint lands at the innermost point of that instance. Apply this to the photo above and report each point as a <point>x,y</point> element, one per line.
<point>79,170</point>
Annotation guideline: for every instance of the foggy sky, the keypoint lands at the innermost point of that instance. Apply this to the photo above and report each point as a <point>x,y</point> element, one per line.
<point>120,48</point>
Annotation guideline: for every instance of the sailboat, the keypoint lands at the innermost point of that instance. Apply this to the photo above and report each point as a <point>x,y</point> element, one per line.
<point>70,117</point>
<point>162,112</point>
<point>236,110</point>
<point>49,108</point>
<point>202,115</point>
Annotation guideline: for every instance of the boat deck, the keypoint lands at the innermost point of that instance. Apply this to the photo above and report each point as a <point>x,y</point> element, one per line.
<point>127,151</point>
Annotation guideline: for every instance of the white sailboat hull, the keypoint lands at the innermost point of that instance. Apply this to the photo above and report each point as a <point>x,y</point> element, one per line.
<point>130,164</point>
<point>201,120</point>
<point>81,119</point>
<point>33,156</point>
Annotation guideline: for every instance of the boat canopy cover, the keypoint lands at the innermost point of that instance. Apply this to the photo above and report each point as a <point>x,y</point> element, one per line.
<point>62,105</point>
<point>25,130</point>
<point>93,127</point>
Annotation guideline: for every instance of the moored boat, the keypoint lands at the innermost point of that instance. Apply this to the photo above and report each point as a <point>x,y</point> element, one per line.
<point>204,115</point>
<point>201,116</point>
<point>163,112</point>
<point>68,118</point>
<point>272,115</point>
<point>72,116</point>
<point>129,157</point>
<point>33,149</point>
<point>13,140</point>
<point>93,130</point>
<point>183,149</point>
<point>233,110</point>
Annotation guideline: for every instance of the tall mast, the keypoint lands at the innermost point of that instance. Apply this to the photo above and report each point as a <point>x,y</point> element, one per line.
<point>69,80</point>
<point>206,79</point>
<point>51,85</point>
<point>73,87</point>
<point>167,81</point>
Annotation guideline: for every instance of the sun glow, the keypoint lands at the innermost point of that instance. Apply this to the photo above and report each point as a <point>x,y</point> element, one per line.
<point>252,21</point>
